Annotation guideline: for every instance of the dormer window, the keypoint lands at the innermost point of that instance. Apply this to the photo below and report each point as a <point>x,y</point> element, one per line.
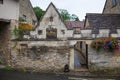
<point>1,1</point>
<point>114,3</point>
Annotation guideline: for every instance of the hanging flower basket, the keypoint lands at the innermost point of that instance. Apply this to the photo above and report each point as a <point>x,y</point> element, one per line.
<point>25,26</point>
<point>108,44</point>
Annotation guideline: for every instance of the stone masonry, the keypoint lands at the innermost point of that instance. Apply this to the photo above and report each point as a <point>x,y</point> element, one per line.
<point>110,9</point>
<point>40,57</point>
<point>103,61</point>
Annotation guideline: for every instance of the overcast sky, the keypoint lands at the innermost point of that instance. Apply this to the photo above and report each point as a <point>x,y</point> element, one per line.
<point>78,7</point>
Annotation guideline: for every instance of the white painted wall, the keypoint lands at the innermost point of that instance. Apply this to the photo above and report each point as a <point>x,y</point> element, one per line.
<point>9,9</point>
<point>86,33</point>
<point>114,35</point>
<point>118,31</point>
<point>104,33</point>
<point>77,36</point>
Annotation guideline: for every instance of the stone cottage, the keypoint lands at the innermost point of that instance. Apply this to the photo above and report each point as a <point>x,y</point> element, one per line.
<point>103,26</point>
<point>11,11</point>
<point>54,43</point>
<point>112,7</point>
<point>51,45</point>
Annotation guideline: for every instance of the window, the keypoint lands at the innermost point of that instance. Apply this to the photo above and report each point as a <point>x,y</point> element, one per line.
<point>63,31</point>
<point>1,1</point>
<point>33,22</point>
<point>114,3</point>
<point>40,32</point>
<point>24,17</point>
<point>51,33</point>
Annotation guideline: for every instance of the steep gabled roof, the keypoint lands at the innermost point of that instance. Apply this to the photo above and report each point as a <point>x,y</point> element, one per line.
<point>104,6</point>
<point>56,11</point>
<point>103,21</point>
<point>74,24</point>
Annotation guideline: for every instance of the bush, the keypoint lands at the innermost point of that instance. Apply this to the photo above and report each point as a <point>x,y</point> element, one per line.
<point>8,68</point>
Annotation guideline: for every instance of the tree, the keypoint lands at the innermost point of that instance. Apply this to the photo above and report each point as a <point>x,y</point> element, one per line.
<point>74,17</point>
<point>39,12</point>
<point>66,16</point>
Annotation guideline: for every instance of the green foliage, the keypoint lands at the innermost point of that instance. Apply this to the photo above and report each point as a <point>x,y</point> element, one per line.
<point>16,32</point>
<point>39,12</point>
<point>64,14</point>
<point>8,68</point>
<point>67,16</point>
<point>74,17</point>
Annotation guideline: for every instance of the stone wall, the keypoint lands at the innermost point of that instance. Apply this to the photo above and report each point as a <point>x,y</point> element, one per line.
<point>4,42</point>
<point>62,33</point>
<point>102,61</point>
<point>112,9</point>
<point>25,8</point>
<point>39,57</point>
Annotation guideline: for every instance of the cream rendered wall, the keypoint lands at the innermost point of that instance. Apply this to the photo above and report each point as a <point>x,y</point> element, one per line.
<point>9,9</point>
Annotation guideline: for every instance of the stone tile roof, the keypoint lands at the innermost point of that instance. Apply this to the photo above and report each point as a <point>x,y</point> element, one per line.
<point>103,21</point>
<point>74,24</point>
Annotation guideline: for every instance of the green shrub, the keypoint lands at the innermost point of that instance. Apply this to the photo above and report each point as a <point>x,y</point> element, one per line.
<point>8,68</point>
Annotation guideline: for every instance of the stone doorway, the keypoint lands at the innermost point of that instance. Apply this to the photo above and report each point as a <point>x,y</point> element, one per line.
<point>4,42</point>
<point>80,56</point>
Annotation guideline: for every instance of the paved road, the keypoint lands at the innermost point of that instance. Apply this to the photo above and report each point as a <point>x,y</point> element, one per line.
<point>15,75</point>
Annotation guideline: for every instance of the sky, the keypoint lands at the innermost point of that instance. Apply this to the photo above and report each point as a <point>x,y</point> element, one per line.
<point>78,7</point>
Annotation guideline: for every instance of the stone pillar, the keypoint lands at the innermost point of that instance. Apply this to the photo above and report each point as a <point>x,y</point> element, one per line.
<point>71,63</point>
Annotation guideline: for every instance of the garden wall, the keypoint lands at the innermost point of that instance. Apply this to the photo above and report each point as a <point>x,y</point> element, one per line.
<point>40,56</point>
<point>103,61</point>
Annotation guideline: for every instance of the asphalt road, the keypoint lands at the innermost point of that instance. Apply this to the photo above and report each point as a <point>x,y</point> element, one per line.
<point>15,75</point>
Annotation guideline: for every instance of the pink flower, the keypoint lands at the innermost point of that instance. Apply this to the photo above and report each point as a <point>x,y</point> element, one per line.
<point>118,47</point>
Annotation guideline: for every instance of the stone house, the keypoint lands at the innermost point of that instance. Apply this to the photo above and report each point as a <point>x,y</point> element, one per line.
<point>102,26</point>
<point>54,43</point>
<point>112,7</point>
<point>10,13</point>
<point>51,45</point>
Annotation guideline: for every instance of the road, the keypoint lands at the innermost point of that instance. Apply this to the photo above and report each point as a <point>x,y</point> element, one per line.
<point>15,75</point>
